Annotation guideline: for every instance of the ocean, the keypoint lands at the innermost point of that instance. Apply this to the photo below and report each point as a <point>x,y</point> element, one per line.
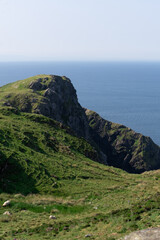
<point>123,92</point>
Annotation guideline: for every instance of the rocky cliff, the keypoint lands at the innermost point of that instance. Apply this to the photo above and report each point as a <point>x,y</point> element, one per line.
<point>52,96</point>
<point>123,147</point>
<point>55,97</point>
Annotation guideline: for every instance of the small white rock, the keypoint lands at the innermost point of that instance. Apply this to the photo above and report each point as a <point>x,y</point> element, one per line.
<point>7,213</point>
<point>6,203</point>
<point>88,235</point>
<point>52,217</point>
<point>95,208</point>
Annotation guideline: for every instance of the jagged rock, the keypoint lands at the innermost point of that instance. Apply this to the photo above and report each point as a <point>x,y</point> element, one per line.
<point>123,147</point>
<point>54,97</point>
<point>7,203</point>
<point>147,234</point>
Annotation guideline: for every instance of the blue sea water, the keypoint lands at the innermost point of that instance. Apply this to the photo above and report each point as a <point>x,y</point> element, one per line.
<point>122,92</point>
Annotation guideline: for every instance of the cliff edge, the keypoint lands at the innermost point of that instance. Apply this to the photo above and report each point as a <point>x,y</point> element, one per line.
<point>55,97</point>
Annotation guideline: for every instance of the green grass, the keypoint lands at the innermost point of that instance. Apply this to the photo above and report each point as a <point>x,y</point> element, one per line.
<point>108,209</point>
<point>36,153</point>
<point>19,95</point>
<point>44,170</point>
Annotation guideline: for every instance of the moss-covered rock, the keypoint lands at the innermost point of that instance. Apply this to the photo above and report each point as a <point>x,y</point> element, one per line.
<point>123,147</point>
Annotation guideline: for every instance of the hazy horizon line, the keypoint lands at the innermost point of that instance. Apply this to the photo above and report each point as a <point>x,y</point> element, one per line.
<point>80,61</point>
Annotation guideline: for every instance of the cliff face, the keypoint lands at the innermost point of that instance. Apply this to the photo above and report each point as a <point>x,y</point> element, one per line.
<point>60,103</point>
<point>123,147</point>
<point>55,97</point>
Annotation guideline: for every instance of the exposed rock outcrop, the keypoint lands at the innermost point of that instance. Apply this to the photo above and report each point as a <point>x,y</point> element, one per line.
<point>147,234</point>
<point>54,97</point>
<point>123,147</point>
<point>60,103</point>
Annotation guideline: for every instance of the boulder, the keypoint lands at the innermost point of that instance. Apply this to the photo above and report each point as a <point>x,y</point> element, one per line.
<point>147,234</point>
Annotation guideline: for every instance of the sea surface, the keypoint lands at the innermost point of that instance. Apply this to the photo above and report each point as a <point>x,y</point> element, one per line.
<point>123,92</point>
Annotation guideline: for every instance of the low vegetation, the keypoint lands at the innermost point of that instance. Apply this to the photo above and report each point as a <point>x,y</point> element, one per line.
<point>55,186</point>
<point>45,171</point>
<point>105,208</point>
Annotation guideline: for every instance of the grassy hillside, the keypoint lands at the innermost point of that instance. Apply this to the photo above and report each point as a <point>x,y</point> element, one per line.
<point>105,207</point>
<point>50,95</point>
<point>44,171</point>
<point>37,153</point>
<point>55,97</point>
<point>20,95</point>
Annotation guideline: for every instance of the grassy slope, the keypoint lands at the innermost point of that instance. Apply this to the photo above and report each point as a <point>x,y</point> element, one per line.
<point>37,153</point>
<point>86,197</point>
<point>47,165</point>
<point>107,208</point>
<point>19,94</point>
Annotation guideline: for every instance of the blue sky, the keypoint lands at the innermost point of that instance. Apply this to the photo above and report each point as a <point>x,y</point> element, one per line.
<point>89,30</point>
